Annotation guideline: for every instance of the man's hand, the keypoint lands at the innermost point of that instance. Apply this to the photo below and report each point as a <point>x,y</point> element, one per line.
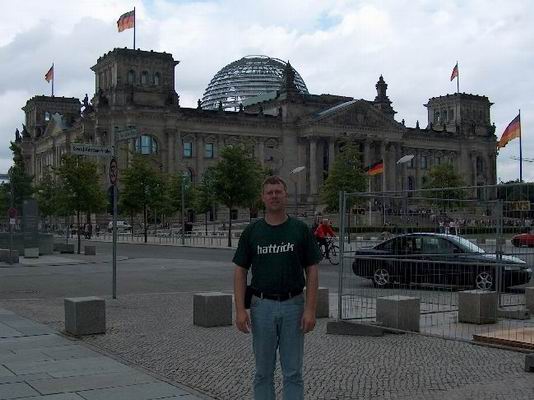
<point>242,321</point>
<point>307,323</point>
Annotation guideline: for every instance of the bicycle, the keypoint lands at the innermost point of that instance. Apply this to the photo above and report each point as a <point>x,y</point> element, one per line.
<point>333,252</point>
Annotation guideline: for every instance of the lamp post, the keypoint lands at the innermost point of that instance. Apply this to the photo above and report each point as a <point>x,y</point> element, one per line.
<point>293,174</point>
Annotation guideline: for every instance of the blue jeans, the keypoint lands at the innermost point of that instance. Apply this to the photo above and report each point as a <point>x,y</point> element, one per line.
<point>276,325</point>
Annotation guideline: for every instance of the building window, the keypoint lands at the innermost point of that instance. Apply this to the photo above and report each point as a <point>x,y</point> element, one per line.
<point>480,165</point>
<point>189,175</point>
<point>47,116</point>
<point>438,160</point>
<point>412,163</point>
<point>451,114</point>
<point>144,78</point>
<point>208,150</point>
<point>188,149</point>
<point>233,214</point>
<point>156,79</point>
<point>146,144</point>
<point>444,116</point>
<point>131,77</point>
<point>436,117</point>
<point>411,183</point>
<point>424,162</point>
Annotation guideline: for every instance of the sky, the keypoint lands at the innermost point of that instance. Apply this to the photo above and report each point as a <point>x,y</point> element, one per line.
<point>338,46</point>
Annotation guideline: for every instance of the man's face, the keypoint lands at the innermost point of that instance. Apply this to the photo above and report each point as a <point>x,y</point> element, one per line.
<point>274,197</point>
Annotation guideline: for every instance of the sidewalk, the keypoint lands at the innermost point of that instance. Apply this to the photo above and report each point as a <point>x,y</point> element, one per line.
<point>38,363</point>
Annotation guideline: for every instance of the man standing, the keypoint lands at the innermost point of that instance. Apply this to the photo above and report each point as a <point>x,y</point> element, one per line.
<point>283,256</point>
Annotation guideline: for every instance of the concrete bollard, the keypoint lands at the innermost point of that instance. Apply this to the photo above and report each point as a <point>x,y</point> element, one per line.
<point>477,306</point>
<point>31,252</point>
<point>529,299</point>
<point>67,248</point>
<point>90,250</point>
<point>399,312</point>
<point>323,302</point>
<point>212,309</point>
<point>7,258</point>
<point>529,362</point>
<point>85,315</point>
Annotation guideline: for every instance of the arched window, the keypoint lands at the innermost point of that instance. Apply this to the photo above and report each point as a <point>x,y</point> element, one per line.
<point>146,144</point>
<point>47,116</point>
<point>156,79</point>
<point>144,78</point>
<point>131,77</point>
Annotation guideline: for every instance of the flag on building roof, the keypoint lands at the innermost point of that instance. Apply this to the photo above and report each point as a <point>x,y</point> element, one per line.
<point>375,169</point>
<point>50,74</point>
<point>126,21</point>
<point>454,73</point>
<point>512,131</point>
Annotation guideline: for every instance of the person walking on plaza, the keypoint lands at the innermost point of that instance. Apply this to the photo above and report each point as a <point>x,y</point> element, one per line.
<point>323,231</point>
<point>282,255</point>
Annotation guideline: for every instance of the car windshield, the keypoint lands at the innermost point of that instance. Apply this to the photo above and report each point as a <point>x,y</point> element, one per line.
<point>466,244</point>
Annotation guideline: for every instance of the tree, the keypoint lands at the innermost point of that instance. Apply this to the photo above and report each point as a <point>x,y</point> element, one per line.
<point>443,178</point>
<point>346,175</point>
<point>204,198</point>
<point>143,188</point>
<point>237,180</point>
<point>173,194</point>
<point>46,194</point>
<point>79,188</point>
<point>20,181</point>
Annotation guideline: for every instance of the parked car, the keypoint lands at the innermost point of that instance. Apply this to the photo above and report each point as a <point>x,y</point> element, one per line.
<point>432,258</point>
<point>523,239</point>
<point>122,226</point>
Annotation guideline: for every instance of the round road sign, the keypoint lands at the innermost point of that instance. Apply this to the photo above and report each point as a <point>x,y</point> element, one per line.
<point>113,171</point>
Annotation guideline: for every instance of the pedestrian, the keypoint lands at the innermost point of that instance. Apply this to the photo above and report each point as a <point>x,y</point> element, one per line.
<point>282,255</point>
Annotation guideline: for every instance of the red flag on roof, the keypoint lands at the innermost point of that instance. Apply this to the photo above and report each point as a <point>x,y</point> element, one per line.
<point>50,74</point>
<point>454,73</point>
<point>126,21</point>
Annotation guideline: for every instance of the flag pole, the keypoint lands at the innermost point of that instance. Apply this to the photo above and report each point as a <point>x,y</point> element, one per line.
<point>134,29</point>
<point>457,77</point>
<point>53,78</point>
<point>520,151</point>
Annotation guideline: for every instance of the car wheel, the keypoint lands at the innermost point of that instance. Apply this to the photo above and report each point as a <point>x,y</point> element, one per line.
<point>381,278</point>
<point>484,280</point>
<point>515,243</point>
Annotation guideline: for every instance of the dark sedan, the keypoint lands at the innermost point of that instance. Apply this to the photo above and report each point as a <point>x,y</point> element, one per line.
<point>431,258</point>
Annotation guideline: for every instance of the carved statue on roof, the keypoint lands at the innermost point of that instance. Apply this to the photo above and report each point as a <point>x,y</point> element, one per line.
<point>288,79</point>
<point>87,106</point>
<point>17,136</point>
<point>25,133</point>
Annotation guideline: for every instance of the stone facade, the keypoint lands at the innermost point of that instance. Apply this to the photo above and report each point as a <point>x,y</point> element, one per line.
<point>135,88</point>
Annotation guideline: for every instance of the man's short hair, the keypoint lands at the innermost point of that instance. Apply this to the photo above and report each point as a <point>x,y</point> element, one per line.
<point>274,180</point>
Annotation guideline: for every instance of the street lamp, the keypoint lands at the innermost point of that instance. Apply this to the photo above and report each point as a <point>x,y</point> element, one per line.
<point>293,174</point>
<point>401,161</point>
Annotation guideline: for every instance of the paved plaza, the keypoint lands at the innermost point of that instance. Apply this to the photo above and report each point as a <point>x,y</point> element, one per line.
<point>154,351</point>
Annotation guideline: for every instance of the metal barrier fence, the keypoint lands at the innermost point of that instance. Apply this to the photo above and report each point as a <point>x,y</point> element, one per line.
<point>219,239</point>
<point>436,247</point>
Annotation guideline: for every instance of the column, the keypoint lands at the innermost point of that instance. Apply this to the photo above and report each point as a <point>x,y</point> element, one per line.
<point>261,153</point>
<point>331,152</point>
<point>417,169</point>
<point>199,152</point>
<point>366,153</point>
<point>387,166</point>
<point>170,151</point>
<point>313,166</point>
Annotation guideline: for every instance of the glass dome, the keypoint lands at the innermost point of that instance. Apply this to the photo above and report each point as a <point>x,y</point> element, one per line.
<point>245,78</point>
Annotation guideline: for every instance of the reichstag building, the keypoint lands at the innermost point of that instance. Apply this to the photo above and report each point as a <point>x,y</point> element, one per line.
<point>264,104</point>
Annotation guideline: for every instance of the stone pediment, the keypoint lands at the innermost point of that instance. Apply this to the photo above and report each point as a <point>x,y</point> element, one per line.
<point>357,114</point>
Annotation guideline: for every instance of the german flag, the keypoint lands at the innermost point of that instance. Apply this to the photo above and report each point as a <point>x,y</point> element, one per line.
<point>126,21</point>
<point>50,74</point>
<point>454,73</point>
<point>512,131</point>
<point>375,169</point>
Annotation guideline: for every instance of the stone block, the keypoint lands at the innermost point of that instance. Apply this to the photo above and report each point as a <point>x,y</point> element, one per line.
<point>67,248</point>
<point>529,362</point>
<point>85,315</point>
<point>529,299</point>
<point>477,306</point>
<point>90,250</point>
<point>7,258</point>
<point>212,309</point>
<point>323,302</point>
<point>398,312</point>
<point>31,252</point>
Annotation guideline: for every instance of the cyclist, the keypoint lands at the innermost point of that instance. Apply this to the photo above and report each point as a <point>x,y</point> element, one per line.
<point>323,231</point>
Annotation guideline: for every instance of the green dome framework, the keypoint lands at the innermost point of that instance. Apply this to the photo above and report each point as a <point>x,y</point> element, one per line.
<point>245,78</point>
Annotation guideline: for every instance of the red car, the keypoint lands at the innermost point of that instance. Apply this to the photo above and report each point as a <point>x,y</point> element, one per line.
<point>523,239</point>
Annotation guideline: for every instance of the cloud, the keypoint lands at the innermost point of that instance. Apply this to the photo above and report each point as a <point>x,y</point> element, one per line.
<point>338,46</point>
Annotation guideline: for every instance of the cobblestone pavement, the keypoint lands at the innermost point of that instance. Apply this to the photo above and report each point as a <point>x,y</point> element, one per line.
<point>155,331</point>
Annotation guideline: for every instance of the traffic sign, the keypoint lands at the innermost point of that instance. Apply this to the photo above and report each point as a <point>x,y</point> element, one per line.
<point>113,171</point>
<point>12,212</point>
<point>90,150</point>
<point>126,133</point>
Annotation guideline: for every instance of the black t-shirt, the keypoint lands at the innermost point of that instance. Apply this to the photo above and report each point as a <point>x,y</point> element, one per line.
<point>278,254</point>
